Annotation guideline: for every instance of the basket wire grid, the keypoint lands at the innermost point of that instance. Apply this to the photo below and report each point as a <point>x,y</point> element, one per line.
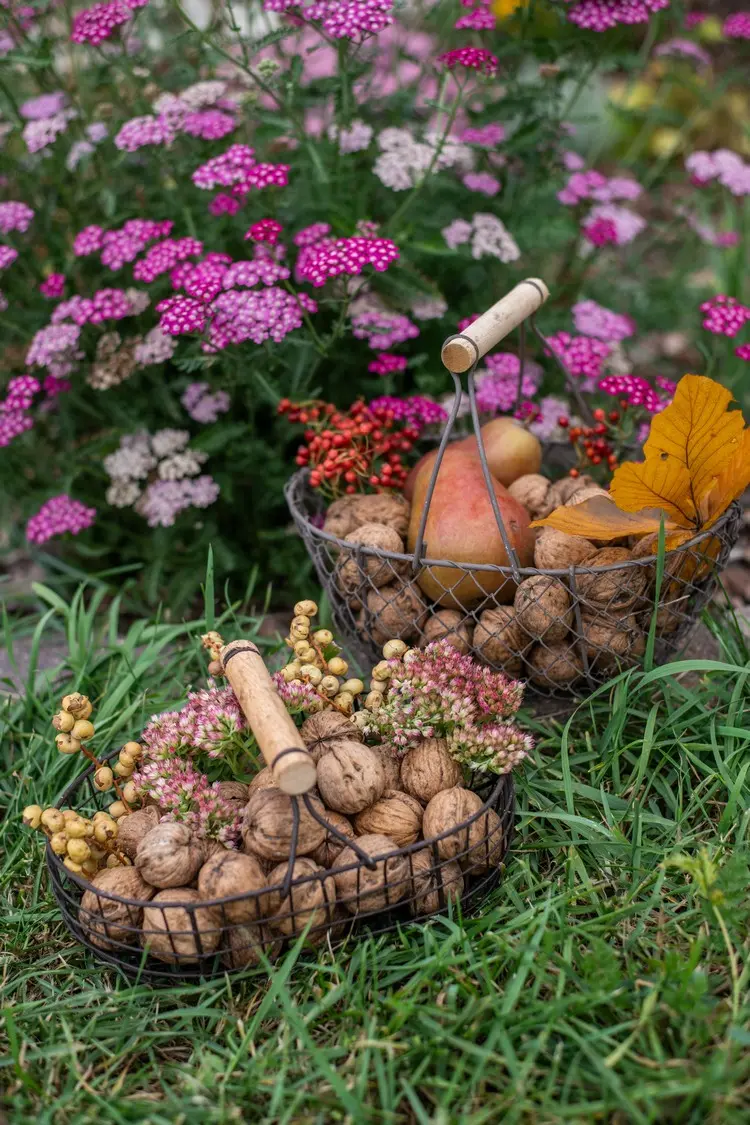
<point>199,939</point>
<point>376,595</point>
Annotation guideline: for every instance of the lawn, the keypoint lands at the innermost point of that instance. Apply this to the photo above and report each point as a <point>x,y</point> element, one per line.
<point>605,979</point>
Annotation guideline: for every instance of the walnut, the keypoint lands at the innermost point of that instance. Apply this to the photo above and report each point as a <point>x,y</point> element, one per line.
<point>358,572</point>
<point>500,641</point>
<point>613,590</point>
<point>449,625</point>
<point>485,844</point>
<point>530,490</point>
<point>106,922</point>
<point>673,611</point>
<point>228,875</point>
<point>340,518</point>
<point>267,826</point>
<point>311,901</point>
<point>447,812</point>
<point>176,929</point>
<point>322,731</point>
<point>391,764</point>
<point>397,815</point>
<point>554,665</point>
<point>169,855</point>
<point>543,608</point>
<point>264,779</point>
<point>133,827</point>
<point>557,551</point>
<point>427,768</point>
<point>234,791</point>
<point>247,944</point>
<point>350,777</point>
<point>611,641</point>
<point>391,509</point>
<point>362,889</point>
<point>561,491</point>
<point>588,493</point>
<point>428,879</point>
<point>327,852</point>
<point>397,612</point>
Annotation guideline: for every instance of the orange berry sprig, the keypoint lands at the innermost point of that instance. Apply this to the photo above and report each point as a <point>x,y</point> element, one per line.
<point>351,451</point>
<point>593,444</point>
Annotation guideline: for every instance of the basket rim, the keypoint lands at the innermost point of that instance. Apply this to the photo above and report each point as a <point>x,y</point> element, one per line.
<point>53,860</point>
<point>299,479</point>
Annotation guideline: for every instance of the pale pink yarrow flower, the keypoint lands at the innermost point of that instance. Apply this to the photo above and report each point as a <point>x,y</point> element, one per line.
<point>485,136</point>
<point>355,138</point>
<point>45,105</point>
<point>15,216</point>
<point>457,233</point>
<point>202,405</point>
<point>482,182</point>
<point>58,516</point>
<point>592,319</point>
<point>7,256</point>
<point>492,239</point>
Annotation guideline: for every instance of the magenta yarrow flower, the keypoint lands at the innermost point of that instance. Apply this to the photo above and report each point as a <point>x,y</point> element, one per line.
<point>485,136</point>
<point>636,391</point>
<point>497,387</point>
<point>580,355</point>
<point>15,216</point>
<point>265,230</point>
<point>341,19</point>
<point>164,256</point>
<point>308,236</point>
<point>593,185</point>
<point>58,516</point>
<point>333,257</point>
<point>592,319</point>
<point>737,26</point>
<point>95,24</point>
<point>600,232</point>
<point>53,286</point>
<point>106,304</point>
<point>723,165</point>
<point>19,393</point>
<point>724,316</point>
<point>237,168</point>
<point>416,410</point>
<point>610,223</point>
<point>7,256</point>
<point>482,182</point>
<point>262,270</point>
<point>386,363</point>
<point>602,15</point>
<point>383,329</point>
<point>743,352</point>
<point>481,19</point>
<point>182,316</point>
<point>470,58</point>
<point>223,204</point>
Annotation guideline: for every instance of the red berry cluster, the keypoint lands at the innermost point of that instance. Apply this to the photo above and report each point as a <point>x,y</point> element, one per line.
<point>353,450</point>
<point>593,444</point>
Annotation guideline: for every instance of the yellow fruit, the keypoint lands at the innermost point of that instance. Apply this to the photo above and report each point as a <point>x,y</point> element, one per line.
<point>82,729</point>
<point>32,816</point>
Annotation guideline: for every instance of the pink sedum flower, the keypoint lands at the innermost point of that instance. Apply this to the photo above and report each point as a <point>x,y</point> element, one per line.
<point>58,516</point>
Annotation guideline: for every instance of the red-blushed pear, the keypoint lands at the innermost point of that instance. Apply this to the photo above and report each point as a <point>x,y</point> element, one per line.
<point>512,451</point>
<point>461,527</point>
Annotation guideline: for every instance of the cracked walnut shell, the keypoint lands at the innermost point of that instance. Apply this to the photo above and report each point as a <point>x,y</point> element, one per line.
<point>613,590</point>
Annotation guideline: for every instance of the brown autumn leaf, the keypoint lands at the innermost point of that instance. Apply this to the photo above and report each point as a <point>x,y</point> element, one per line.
<point>600,518</point>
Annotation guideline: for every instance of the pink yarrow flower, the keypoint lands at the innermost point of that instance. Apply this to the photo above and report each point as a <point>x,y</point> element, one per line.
<point>592,319</point>
<point>485,136</point>
<point>341,19</point>
<point>202,405</point>
<point>637,391</point>
<point>7,256</point>
<point>383,329</point>
<point>724,316</point>
<point>386,363</point>
<point>602,15</point>
<point>743,352</point>
<point>470,58</point>
<point>58,516</point>
<point>483,182</point>
<point>308,236</point>
<point>15,216</point>
<point>737,26</point>
<point>333,257</point>
<point>683,49</point>
<point>417,410</point>
<point>95,24</point>
<point>53,286</point>
<point>580,355</point>
<point>265,230</point>
<point>45,105</point>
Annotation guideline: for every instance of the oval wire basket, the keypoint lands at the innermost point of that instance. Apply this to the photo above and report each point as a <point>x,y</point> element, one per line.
<point>203,939</point>
<point>610,609</point>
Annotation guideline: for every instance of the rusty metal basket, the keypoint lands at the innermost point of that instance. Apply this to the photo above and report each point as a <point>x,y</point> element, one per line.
<point>212,937</point>
<point>609,609</point>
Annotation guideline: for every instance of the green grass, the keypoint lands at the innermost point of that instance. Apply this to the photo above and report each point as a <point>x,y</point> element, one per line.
<point>599,982</point>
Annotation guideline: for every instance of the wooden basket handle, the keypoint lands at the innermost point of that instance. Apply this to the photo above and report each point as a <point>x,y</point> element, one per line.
<point>462,351</point>
<point>279,740</point>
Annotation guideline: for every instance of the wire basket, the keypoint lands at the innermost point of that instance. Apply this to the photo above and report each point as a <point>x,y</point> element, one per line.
<point>188,940</point>
<point>579,626</point>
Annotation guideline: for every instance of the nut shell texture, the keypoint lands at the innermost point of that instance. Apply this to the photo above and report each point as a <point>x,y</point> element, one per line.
<point>448,812</point>
<point>228,874</point>
<point>350,777</point>
<point>268,825</point>
<point>175,934</point>
<point>133,827</point>
<point>362,890</point>
<point>397,815</point>
<point>428,769</point>
<point>169,855</point>
<point>106,922</point>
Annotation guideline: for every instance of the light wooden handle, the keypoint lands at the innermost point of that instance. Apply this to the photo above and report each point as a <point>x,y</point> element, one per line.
<point>459,353</point>
<point>279,740</point>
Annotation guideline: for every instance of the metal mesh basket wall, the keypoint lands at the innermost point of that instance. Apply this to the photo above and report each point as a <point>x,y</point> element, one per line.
<point>589,622</point>
<point>161,941</point>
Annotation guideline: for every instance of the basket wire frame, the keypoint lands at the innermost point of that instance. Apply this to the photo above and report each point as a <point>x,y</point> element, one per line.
<point>199,939</point>
<point>376,595</point>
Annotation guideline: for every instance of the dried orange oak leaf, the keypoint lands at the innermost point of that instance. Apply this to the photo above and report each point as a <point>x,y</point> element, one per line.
<point>600,518</point>
<point>661,482</point>
<point>731,482</point>
<point>698,430</point>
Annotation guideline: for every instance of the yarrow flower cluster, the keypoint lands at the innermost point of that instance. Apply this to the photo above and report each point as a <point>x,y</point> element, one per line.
<point>95,24</point>
<point>593,185</point>
<point>484,136</point>
<point>497,387</point>
<point>202,405</point>
<point>489,237</point>
<point>15,216</point>
<point>416,410</point>
<point>722,165</point>
<point>602,15</point>
<point>483,182</point>
<point>170,470</point>
<point>592,319</point>
<point>14,410</point>
<point>404,161</point>
<point>58,516</point>
<point>437,692</point>
<point>480,19</point>
<point>737,26</point>
<point>332,257</point>
<point>186,795</point>
<point>355,138</point>
<point>341,19</point>
<point>53,286</point>
<point>582,356</point>
<point>724,316</point>
<point>56,348</point>
<point>683,49</point>
<point>238,170</point>
<point>121,245</point>
<point>470,58</point>
<point>382,328</point>
<point>637,391</point>
<point>386,363</point>
<point>609,223</point>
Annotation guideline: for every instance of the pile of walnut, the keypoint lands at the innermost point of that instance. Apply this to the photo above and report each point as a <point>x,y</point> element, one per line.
<point>369,796</point>
<point>539,635</point>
